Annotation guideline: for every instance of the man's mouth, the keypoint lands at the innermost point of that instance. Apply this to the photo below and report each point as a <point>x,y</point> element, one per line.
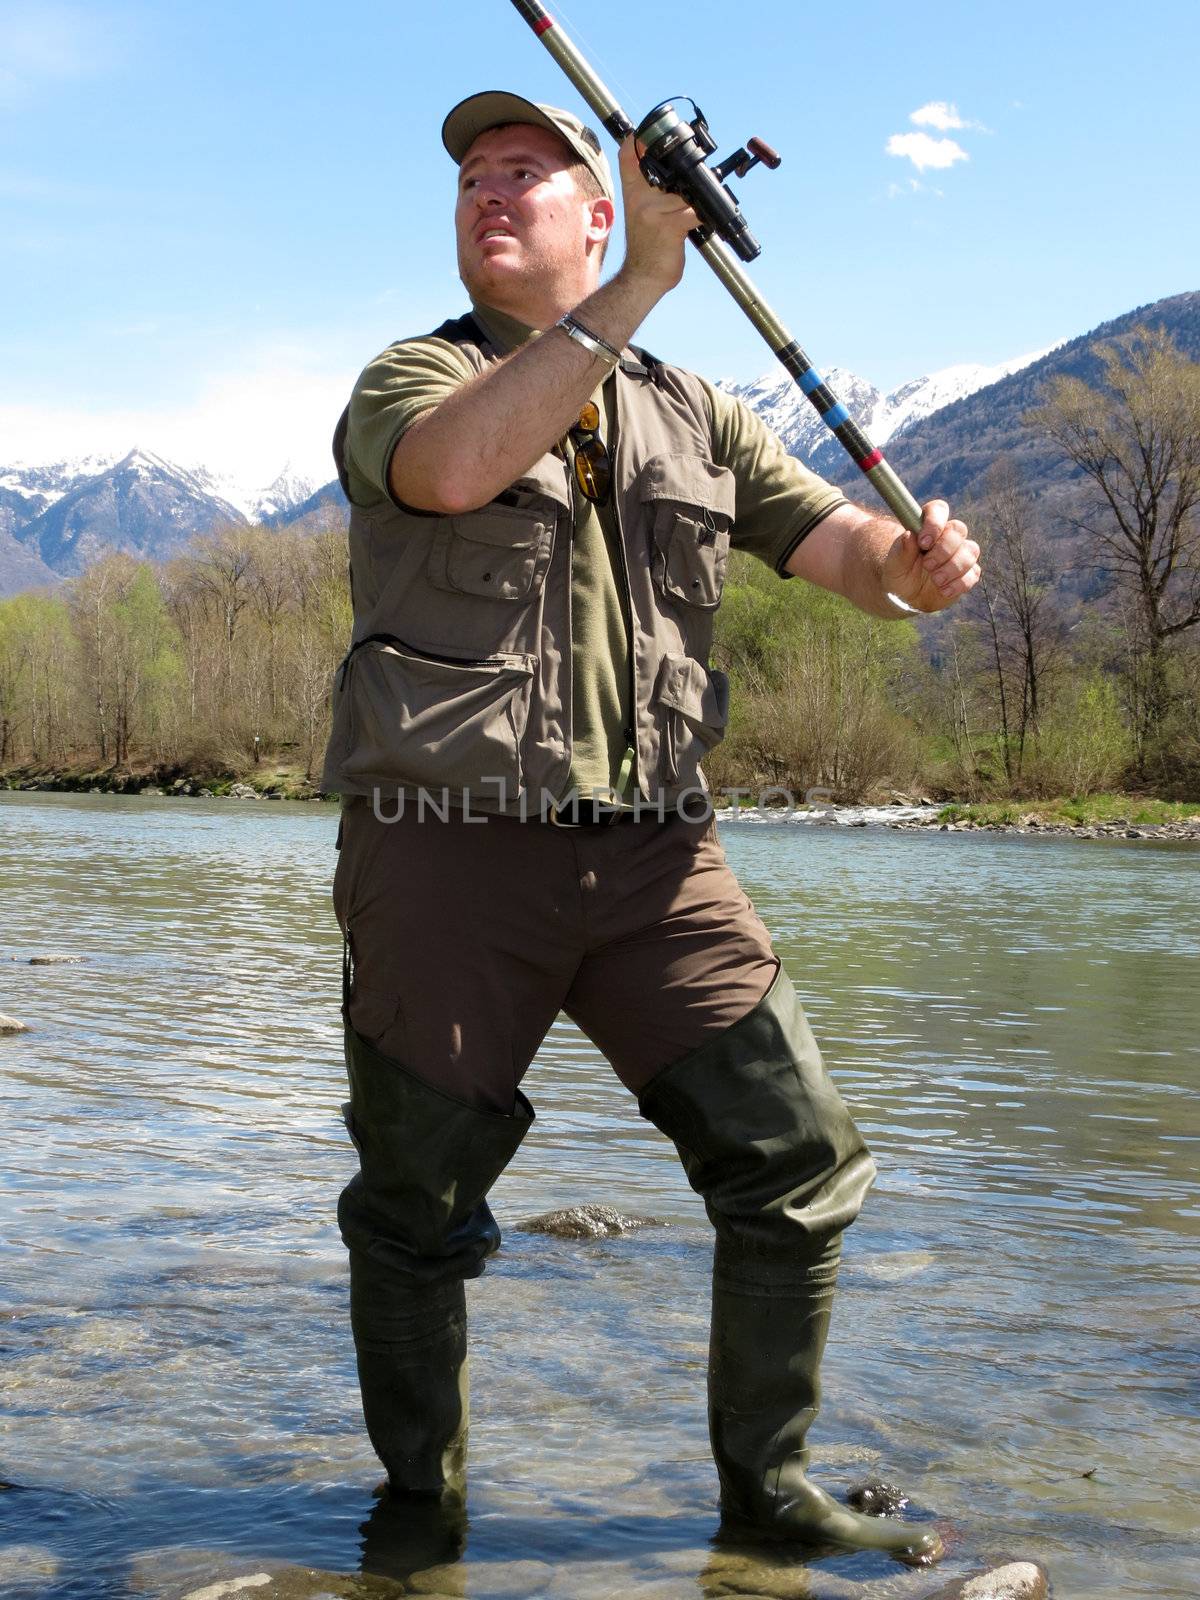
<point>492,232</point>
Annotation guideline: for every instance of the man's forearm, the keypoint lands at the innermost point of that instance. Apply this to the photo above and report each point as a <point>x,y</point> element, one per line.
<point>480,439</point>
<point>846,552</point>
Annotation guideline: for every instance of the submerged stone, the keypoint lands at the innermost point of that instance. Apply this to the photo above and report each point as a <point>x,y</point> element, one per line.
<point>26,1569</point>
<point>1016,1580</point>
<point>54,959</point>
<point>230,1587</point>
<point>894,1266</point>
<point>12,1025</point>
<point>585,1222</point>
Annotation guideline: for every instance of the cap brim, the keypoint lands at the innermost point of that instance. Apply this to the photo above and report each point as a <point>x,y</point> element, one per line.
<point>490,109</point>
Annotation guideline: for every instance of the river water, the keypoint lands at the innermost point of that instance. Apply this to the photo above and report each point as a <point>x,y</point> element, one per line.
<point>1015,1021</point>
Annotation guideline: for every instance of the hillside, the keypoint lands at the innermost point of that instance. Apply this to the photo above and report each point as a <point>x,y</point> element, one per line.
<point>949,452</point>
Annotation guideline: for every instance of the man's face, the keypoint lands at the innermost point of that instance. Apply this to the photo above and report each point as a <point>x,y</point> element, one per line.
<point>520,216</point>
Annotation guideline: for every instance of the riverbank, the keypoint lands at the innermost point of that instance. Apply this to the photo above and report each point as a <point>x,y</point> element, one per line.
<point>1100,816</point>
<point>269,780</point>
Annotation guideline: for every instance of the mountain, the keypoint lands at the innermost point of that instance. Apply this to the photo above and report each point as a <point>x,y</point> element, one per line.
<point>782,406</point>
<point>55,519</point>
<point>21,568</point>
<point>141,504</point>
<point>949,452</point>
<point>278,503</point>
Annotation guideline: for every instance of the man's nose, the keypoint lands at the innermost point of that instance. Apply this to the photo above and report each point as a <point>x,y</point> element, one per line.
<point>488,193</point>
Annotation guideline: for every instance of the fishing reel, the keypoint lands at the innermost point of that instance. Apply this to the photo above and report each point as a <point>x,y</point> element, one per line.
<point>674,157</point>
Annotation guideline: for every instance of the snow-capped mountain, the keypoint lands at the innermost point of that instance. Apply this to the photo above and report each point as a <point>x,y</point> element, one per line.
<point>56,517</point>
<point>49,481</point>
<point>780,403</point>
<point>285,494</point>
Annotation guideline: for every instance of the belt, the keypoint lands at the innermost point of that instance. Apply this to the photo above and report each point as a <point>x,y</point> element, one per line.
<point>592,816</point>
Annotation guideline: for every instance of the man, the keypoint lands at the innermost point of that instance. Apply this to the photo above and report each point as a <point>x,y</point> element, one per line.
<point>540,524</point>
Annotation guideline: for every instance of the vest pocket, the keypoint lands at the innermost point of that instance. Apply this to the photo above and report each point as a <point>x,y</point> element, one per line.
<point>693,706</point>
<point>690,506</point>
<point>433,721</point>
<point>498,553</point>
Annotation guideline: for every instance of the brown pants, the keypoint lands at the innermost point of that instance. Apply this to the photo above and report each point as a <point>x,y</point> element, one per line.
<point>468,938</point>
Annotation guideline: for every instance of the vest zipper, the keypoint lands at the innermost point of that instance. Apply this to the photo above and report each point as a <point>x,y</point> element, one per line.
<point>415,650</point>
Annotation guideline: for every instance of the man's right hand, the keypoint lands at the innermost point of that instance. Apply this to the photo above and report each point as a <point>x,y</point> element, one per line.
<point>656,227</point>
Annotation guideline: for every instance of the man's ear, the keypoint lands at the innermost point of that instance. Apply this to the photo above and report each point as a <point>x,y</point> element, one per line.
<point>603,216</point>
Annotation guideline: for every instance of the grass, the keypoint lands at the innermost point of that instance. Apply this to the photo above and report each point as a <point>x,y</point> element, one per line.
<point>1088,811</point>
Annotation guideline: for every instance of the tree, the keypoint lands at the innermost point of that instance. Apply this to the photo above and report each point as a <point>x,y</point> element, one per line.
<point>50,654</point>
<point>320,634</point>
<point>1135,437</point>
<point>130,651</point>
<point>815,687</point>
<point>221,572</point>
<point>1016,596</point>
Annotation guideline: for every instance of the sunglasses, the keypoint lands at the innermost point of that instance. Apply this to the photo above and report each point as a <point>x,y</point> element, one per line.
<point>593,464</point>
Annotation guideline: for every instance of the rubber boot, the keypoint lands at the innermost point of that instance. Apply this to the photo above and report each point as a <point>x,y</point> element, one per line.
<point>770,1145</point>
<point>416,1223</point>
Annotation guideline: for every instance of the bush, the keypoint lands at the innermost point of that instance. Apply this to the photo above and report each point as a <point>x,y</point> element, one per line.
<point>1084,746</point>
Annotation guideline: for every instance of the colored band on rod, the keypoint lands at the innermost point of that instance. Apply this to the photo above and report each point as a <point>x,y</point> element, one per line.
<point>810,380</point>
<point>837,415</point>
<point>869,462</point>
<point>793,359</point>
<point>543,26</point>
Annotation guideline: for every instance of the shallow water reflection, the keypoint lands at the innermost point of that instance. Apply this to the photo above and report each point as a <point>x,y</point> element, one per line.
<point>1015,1021</point>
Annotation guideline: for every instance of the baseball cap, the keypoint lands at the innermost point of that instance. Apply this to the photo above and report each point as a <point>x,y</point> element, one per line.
<point>493,107</point>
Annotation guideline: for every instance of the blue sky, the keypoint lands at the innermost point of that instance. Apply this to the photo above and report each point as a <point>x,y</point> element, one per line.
<point>212,216</point>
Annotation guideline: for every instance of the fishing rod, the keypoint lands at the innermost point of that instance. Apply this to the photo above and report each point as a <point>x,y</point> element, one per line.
<point>675,157</point>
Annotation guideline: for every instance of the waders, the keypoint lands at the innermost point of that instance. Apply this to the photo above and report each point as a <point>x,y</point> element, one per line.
<point>416,1223</point>
<point>770,1145</point>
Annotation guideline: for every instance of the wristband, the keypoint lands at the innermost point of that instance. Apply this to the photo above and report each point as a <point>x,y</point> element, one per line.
<point>591,342</point>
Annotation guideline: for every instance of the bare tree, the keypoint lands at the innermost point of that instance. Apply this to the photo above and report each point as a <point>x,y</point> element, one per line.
<point>221,569</point>
<point>1136,439</point>
<point>1023,622</point>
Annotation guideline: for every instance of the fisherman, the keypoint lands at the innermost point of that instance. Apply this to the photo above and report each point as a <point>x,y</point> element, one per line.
<point>541,515</point>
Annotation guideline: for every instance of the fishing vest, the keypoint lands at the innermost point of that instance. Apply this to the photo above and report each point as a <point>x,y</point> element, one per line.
<point>458,676</point>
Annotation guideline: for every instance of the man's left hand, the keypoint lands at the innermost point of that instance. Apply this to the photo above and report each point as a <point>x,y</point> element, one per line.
<point>931,569</point>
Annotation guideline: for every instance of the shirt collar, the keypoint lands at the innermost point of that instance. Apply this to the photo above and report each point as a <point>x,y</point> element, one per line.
<point>505,332</point>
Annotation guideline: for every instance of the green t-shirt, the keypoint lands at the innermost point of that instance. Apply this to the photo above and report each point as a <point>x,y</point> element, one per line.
<point>778,502</point>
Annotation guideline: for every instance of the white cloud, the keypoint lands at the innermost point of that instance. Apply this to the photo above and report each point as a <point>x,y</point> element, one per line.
<point>924,151</point>
<point>939,114</point>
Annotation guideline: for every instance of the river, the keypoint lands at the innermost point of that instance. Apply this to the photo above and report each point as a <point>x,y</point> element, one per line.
<point>1015,1021</point>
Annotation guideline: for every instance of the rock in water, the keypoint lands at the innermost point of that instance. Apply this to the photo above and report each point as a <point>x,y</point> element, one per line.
<point>1017,1580</point>
<point>11,1025</point>
<point>232,1587</point>
<point>584,1222</point>
<point>53,959</point>
<point>877,1499</point>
